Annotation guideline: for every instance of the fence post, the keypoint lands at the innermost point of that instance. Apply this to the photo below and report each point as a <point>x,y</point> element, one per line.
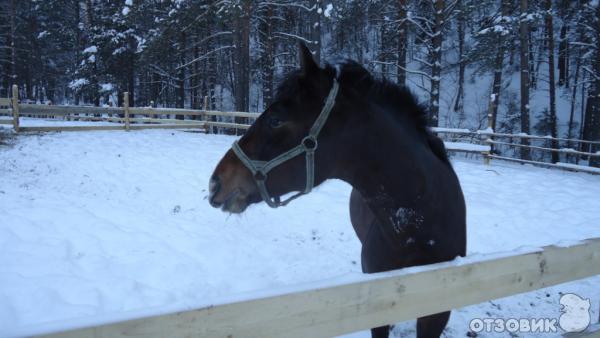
<point>15,107</point>
<point>207,128</point>
<point>126,109</point>
<point>486,158</point>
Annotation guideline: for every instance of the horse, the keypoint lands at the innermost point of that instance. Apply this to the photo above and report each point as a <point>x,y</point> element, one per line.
<point>338,121</point>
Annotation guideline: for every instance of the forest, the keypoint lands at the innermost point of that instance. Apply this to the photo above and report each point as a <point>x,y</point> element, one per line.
<point>519,66</point>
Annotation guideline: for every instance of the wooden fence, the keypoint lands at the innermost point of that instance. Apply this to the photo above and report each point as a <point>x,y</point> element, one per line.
<point>370,301</point>
<point>480,142</point>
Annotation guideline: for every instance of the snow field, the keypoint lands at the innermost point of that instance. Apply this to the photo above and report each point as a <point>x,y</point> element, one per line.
<point>98,225</point>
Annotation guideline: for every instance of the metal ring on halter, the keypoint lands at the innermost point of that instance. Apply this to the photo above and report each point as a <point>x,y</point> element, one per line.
<point>259,175</point>
<point>309,146</point>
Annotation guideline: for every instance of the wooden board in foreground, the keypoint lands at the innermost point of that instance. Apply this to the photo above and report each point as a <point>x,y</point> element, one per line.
<point>388,298</point>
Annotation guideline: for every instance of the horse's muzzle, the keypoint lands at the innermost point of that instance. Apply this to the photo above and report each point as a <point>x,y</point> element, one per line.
<point>214,185</point>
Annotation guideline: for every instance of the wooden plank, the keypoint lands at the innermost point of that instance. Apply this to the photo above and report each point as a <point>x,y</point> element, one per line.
<point>117,127</point>
<point>543,164</point>
<point>4,102</point>
<point>165,111</point>
<point>172,121</point>
<point>534,137</point>
<point>95,118</point>
<point>466,147</point>
<point>4,121</point>
<point>70,128</point>
<point>134,120</point>
<point>42,109</point>
<point>232,114</point>
<point>560,150</point>
<point>378,300</point>
<point>227,125</point>
<point>168,126</point>
<point>189,112</point>
<point>6,112</point>
<point>441,130</point>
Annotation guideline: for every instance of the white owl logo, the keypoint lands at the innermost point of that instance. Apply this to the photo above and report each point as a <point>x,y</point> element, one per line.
<point>575,311</point>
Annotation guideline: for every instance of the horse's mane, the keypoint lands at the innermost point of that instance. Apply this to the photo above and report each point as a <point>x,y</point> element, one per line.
<point>398,100</point>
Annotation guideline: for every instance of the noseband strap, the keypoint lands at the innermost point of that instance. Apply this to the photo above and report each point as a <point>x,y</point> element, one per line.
<point>308,146</point>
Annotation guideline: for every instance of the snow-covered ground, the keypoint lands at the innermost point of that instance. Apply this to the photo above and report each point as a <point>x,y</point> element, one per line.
<point>101,225</point>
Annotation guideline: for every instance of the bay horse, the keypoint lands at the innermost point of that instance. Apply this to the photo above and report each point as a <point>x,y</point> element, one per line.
<point>406,206</point>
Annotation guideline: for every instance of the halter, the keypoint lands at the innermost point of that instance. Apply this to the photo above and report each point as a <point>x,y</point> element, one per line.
<point>308,145</point>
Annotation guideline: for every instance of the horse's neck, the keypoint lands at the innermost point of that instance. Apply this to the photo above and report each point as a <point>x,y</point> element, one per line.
<point>392,174</point>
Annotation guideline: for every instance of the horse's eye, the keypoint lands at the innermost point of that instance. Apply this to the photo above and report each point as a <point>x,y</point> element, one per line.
<point>274,122</point>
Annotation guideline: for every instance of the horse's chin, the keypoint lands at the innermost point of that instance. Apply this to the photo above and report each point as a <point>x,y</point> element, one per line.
<point>238,203</point>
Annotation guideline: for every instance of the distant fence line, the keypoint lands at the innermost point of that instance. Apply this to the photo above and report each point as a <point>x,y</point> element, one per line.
<point>128,118</point>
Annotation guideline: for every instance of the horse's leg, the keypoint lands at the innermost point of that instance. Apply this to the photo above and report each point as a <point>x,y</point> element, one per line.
<point>432,326</point>
<point>381,332</point>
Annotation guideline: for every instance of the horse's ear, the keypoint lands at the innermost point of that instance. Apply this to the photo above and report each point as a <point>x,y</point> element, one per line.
<point>307,62</point>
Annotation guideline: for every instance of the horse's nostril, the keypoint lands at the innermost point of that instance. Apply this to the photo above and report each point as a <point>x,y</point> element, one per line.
<point>214,185</point>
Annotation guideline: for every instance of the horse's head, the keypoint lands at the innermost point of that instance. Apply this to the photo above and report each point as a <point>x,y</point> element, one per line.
<point>278,153</point>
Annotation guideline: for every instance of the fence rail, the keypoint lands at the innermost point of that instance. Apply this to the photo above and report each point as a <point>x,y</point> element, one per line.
<point>371,301</point>
<point>154,118</point>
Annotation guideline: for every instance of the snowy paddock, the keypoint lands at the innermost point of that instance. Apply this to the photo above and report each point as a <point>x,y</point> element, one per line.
<point>102,225</point>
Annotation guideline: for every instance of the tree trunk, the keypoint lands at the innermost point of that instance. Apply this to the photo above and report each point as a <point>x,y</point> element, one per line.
<point>532,70</point>
<point>89,18</point>
<point>242,60</point>
<point>458,105</point>
<point>268,57</point>
<point>13,38</point>
<point>525,66</point>
<point>402,41</point>
<point>436,62</point>
<point>582,146</point>
<point>592,125</point>
<point>131,76</point>
<point>573,102</point>
<point>180,101</point>
<point>195,101</point>
<point>497,86</point>
<point>498,68</point>
<point>552,80</point>
<point>563,57</point>
<point>315,29</point>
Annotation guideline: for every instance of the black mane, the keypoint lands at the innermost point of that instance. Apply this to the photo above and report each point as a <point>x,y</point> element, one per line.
<point>396,99</point>
<point>399,99</point>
